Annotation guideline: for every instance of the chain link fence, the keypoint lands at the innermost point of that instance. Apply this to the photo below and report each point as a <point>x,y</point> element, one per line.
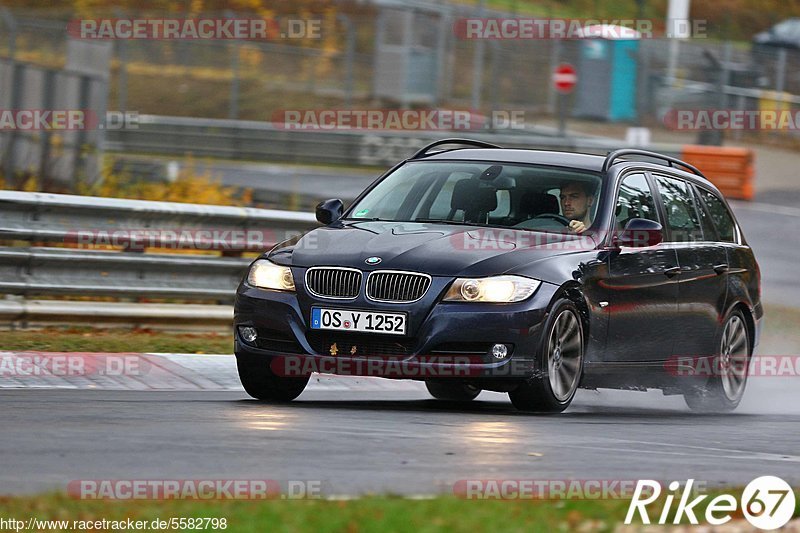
<point>44,79</point>
<point>385,54</point>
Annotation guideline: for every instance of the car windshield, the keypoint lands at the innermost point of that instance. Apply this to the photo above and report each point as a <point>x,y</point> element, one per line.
<point>483,193</point>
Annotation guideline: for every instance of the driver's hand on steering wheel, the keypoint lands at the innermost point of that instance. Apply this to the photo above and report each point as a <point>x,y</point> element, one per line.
<point>577,226</point>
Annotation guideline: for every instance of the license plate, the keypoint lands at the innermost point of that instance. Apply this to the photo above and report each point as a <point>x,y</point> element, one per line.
<point>360,321</point>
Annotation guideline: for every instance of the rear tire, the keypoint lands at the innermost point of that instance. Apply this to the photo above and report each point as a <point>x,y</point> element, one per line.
<point>261,383</point>
<point>724,390</point>
<point>456,391</point>
<point>560,363</point>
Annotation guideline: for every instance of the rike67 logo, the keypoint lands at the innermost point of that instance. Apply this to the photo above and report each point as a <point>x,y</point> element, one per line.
<point>767,502</point>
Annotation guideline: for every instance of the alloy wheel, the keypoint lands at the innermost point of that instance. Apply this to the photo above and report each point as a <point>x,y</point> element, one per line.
<point>564,355</point>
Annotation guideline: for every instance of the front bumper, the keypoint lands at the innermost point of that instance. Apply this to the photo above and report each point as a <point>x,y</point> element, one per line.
<point>444,340</point>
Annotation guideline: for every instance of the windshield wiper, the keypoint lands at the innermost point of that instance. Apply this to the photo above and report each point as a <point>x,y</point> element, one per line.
<point>439,221</point>
<point>375,219</point>
<point>422,220</point>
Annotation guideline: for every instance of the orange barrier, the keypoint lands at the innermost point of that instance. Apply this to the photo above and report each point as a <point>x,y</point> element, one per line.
<point>730,169</point>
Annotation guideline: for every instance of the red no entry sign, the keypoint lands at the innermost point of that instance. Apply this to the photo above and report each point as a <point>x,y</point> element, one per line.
<point>564,78</point>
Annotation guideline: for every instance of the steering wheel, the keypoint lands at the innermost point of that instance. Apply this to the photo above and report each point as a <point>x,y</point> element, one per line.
<point>553,216</point>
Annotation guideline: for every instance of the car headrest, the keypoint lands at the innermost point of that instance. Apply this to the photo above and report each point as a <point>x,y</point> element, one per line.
<point>538,203</point>
<point>471,197</point>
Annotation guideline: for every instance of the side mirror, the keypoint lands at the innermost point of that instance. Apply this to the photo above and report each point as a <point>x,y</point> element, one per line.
<point>640,233</point>
<point>329,211</point>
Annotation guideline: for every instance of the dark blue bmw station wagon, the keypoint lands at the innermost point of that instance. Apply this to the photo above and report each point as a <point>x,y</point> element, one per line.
<point>520,271</point>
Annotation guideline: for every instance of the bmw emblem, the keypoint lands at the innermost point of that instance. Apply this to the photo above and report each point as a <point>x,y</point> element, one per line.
<point>373,260</point>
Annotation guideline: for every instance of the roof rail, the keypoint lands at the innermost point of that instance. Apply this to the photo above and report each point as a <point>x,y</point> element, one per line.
<point>616,154</point>
<point>467,142</point>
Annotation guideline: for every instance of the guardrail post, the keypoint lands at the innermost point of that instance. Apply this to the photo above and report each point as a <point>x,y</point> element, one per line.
<point>494,59</point>
<point>740,101</point>
<point>727,55</point>
<point>349,58</point>
<point>44,140</point>
<point>9,166</point>
<point>714,137</point>
<point>122,79</point>
<point>81,151</point>
<point>555,59</point>
<point>441,54</point>
<point>233,104</point>
<point>11,23</point>
<point>448,60</point>
<point>780,75</point>
<point>233,109</point>
<point>477,65</point>
<point>122,57</point>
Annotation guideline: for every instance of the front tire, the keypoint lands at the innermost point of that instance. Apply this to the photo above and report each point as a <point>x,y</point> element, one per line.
<point>456,391</point>
<point>724,389</point>
<point>261,383</point>
<point>553,386</point>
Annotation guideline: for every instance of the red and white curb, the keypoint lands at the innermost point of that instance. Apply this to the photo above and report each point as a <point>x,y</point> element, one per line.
<point>154,371</point>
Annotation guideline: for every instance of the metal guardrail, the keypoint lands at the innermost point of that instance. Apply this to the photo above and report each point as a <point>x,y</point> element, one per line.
<point>59,271</point>
<point>16,313</point>
<point>61,217</point>
<point>265,141</point>
<point>128,270</point>
<point>757,94</point>
<point>131,227</point>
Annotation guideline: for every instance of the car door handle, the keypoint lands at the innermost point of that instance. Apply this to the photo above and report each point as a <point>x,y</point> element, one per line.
<point>721,268</point>
<point>674,271</point>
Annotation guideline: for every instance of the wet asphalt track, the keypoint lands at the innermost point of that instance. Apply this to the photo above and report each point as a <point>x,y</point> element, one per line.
<point>357,442</point>
<point>402,441</point>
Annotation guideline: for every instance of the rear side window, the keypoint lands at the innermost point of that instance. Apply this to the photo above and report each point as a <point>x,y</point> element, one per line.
<point>682,218</point>
<point>635,201</point>
<point>705,219</point>
<point>720,216</point>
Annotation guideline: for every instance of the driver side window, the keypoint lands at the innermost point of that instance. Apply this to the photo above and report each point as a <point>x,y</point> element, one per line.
<point>635,200</point>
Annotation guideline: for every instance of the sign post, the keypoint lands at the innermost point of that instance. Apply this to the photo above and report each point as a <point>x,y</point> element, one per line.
<point>564,80</point>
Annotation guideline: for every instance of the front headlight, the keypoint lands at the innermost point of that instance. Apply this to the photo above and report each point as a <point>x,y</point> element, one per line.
<point>265,274</point>
<point>497,289</point>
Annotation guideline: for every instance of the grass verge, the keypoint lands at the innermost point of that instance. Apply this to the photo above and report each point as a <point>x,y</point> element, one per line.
<point>368,514</point>
<point>114,341</point>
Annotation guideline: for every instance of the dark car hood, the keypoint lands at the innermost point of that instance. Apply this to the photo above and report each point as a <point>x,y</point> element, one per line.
<point>437,249</point>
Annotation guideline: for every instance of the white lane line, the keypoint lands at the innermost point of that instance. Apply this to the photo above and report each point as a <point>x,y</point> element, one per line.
<point>750,456</point>
<point>350,497</point>
<point>765,208</point>
<point>702,451</point>
<point>726,450</point>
